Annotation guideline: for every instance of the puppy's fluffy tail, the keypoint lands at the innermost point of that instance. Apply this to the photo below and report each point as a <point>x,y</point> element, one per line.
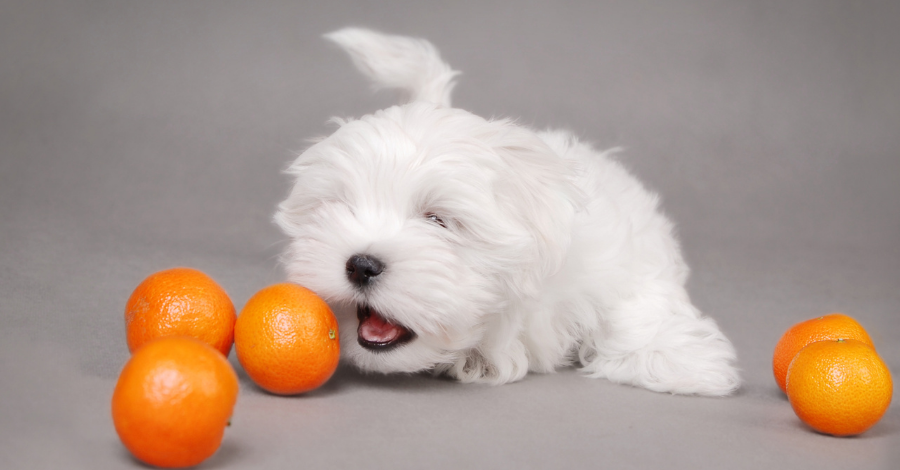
<point>404,63</point>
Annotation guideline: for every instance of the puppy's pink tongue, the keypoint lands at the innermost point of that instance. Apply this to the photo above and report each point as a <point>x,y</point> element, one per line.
<point>377,330</point>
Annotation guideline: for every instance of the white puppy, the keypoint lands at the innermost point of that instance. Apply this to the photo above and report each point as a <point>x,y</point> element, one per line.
<point>482,249</point>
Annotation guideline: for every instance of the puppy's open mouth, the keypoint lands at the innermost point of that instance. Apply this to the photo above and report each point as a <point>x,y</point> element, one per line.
<point>376,333</point>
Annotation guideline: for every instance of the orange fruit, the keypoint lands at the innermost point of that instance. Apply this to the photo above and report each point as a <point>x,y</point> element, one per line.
<point>839,387</point>
<point>180,302</point>
<point>286,338</point>
<point>829,327</point>
<point>173,400</point>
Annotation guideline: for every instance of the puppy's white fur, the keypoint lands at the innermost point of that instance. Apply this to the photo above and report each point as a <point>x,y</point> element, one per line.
<point>505,250</point>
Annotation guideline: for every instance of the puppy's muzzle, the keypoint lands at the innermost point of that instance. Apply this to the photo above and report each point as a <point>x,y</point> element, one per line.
<point>375,333</point>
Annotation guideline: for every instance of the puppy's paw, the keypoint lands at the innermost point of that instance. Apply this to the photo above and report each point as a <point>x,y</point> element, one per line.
<point>504,367</point>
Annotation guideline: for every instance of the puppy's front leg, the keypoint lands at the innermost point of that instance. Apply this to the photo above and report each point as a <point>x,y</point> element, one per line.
<point>499,358</point>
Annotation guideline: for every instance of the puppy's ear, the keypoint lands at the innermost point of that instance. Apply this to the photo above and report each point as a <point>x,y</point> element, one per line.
<point>404,63</point>
<point>539,192</point>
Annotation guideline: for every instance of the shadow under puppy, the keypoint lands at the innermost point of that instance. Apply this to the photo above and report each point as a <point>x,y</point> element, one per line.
<point>483,250</point>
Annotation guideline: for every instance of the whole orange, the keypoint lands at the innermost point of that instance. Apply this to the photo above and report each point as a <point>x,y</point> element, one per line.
<point>180,302</point>
<point>286,338</point>
<point>839,387</point>
<point>173,400</point>
<point>829,327</point>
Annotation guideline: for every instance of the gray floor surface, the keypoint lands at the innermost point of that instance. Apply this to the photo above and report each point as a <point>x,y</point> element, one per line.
<point>137,136</point>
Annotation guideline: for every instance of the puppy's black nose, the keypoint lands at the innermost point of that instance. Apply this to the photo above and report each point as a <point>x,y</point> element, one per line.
<point>362,268</point>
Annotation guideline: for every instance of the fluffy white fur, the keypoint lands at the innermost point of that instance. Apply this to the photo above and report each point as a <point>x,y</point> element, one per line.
<point>505,250</point>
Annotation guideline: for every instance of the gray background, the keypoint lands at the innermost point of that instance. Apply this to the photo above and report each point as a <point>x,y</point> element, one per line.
<point>137,136</point>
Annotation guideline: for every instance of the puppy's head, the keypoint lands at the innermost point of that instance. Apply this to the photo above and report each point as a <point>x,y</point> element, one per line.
<point>421,223</point>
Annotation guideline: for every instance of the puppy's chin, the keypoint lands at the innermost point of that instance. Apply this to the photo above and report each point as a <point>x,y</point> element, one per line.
<point>373,344</point>
<point>412,356</point>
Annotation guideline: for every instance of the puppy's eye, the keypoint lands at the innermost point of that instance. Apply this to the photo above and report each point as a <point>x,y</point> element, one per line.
<point>431,216</point>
